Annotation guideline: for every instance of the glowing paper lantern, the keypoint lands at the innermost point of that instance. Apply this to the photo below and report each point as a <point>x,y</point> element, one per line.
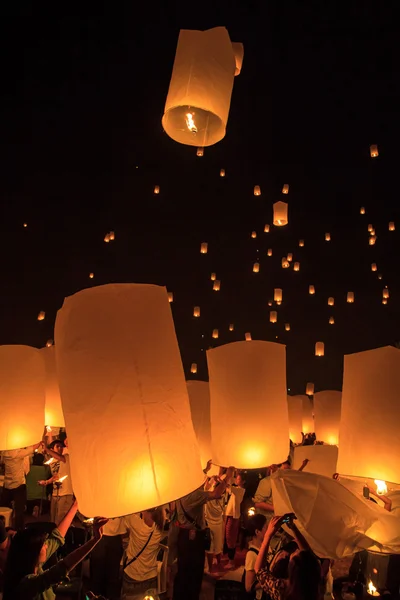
<point>372,240</point>
<point>107,238</point>
<point>91,275</point>
<point>254,235</point>
<point>22,396</point>
<point>285,263</point>
<point>369,444</point>
<point>327,237</point>
<point>379,276</point>
<point>54,415</point>
<point>193,368</point>
<point>277,295</point>
<point>384,300</point>
<point>269,252</point>
<point>273,316</point>
<point>319,349</point>
<point>301,243</point>
<point>41,316</point>
<point>200,152</point>
<point>156,189</point>
<point>231,327</point>
<point>287,326</point>
<point>327,409</point>
<point>199,397</point>
<point>331,301</point>
<point>170,297</point>
<point>196,311</point>
<point>290,257</point>
<point>311,289</point>
<point>216,285</point>
<point>119,369</point>
<point>49,343</point>
<point>25,224</point>
<point>331,320</point>
<point>199,96</point>
<point>112,235</point>
<point>362,211</point>
<point>266,228</point>
<point>374,267</point>
<point>249,415</point>
<point>215,333</point>
<point>247,337</point>
<point>391,226</point>
<point>385,293</point>
<point>213,276</point>
<point>285,189</point>
<point>256,267</point>
<point>257,190</point>
<point>222,173</point>
<point>323,459</point>
<point>307,414</point>
<point>309,389</point>
<point>373,150</point>
<point>280,213</point>
<point>203,248</point>
<point>295,412</point>
<point>296,266</point>
<point>370,228</point>
<point>350,297</point>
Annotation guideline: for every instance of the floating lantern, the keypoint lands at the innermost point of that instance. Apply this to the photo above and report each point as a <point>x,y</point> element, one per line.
<point>290,257</point>
<point>273,316</point>
<point>280,213</point>
<point>374,267</point>
<point>170,296</point>
<point>215,334</point>
<point>119,369</point>
<point>254,235</point>
<point>296,266</point>
<point>269,252</point>
<point>266,228</point>
<point>319,349</point>
<point>41,316</point>
<point>373,150</point>
<point>307,414</point>
<point>331,301</point>
<point>311,289</point>
<point>301,243</point>
<point>222,173</point>
<point>327,410</point>
<point>200,152</point>
<point>256,267</point>
<point>372,232</point>
<point>327,237</point>
<point>370,404</point>
<point>370,228</point>
<point>310,389</point>
<point>193,368</point>
<point>22,396</point>
<point>391,226</point>
<point>199,397</point>
<point>156,189</point>
<point>107,238</point>
<point>247,337</point>
<point>49,343</point>
<point>249,415</point>
<point>197,106</point>
<point>331,320</point>
<point>385,293</point>
<point>213,276</point>
<point>204,248</point>
<point>269,303</point>
<point>379,276</point>
<point>91,275</point>
<point>25,224</point>
<point>362,211</point>
<point>295,413</point>
<point>231,327</point>
<point>285,189</point>
<point>350,297</point>
<point>257,190</point>
<point>285,263</point>
<point>196,311</point>
<point>54,416</point>
<point>287,326</point>
<point>216,285</point>
<point>112,236</point>
<point>277,295</point>
<point>384,301</point>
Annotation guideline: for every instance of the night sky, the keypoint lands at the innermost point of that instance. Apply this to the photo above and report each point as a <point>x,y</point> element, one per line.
<point>82,148</point>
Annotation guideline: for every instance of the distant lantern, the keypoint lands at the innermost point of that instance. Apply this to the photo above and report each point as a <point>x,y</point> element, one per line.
<point>156,189</point>
<point>285,189</point>
<point>309,389</point>
<point>301,243</point>
<point>193,368</point>
<point>391,226</point>
<point>216,285</point>
<point>200,151</point>
<point>231,327</point>
<point>256,267</point>
<point>374,267</point>
<point>266,228</point>
<point>350,297</point>
<point>213,276</point>
<point>285,263</point>
<point>372,232</point>
<point>384,301</point>
<point>327,237</point>
<point>199,96</point>
<point>362,211</point>
<point>41,315</point>
<point>170,297</point>
<point>331,301</point>
<point>277,295</point>
<point>91,275</point>
<point>287,326</point>
<point>273,316</point>
<point>280,213</point>
<point>107,238</point>
<point>385,293</point>
<point>373,150</point>
<point>319,349</point>
<point>112,236</point>
<point>311,289</point>
<point>257,190</point>
<point>25,224</point>
<point>296,266</point>
<point>270,303</point>
<point>247,337</point>
<point>254,235</point>
<point>204,248</point>
<point>222,173</point>
<point>196,311</point>
<point>372,240</point>
<point>370,227</point>
<point>49,343</point>
<point>331,320</point>
<point>215,334</point>
<point>290,257</point>
<point>379,276</point>
<point>269,252</point>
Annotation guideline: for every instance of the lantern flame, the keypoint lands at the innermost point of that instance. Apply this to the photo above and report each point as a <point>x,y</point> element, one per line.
<point>48,462</point>
<point>62,479</point>
<point>251,511</point>
<point>190,123</point>
<point>381,487</point>
<point>372,589</point>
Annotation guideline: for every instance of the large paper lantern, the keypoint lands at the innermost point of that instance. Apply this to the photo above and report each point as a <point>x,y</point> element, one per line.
<point>199,96</point>
<point>308,417</point>
<point>327,409</point>
<point>54,415</point>
<point>125,400</point>
<point>369,441</point>
<point>22,397</point>
<point>249,414</point>
<point>199,397</point>
<point>280,213</point>
<point>323,459</point>
<point>295,411</point>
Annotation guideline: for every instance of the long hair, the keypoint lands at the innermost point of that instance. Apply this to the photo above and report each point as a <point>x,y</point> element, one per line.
<point>304,577</point>
<point>22,559</point>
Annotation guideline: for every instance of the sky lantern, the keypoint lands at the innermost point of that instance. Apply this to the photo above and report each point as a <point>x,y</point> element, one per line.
<point>91,275</point>
<point>199,397</point>
<point>107,238</point>
<point>296,266</point>
<point>384,301</point>
<point>362,211</point>
<point>54,416</point>
<point>170,296</point>
<point>269,252</point>
<point>385,293</point>
<point>280,213</point>
<point>22,396</point>
<point>301,243</point>
<point>374,267</point>
<point>372,232</point>
<point>307,413</point>
<point>273,316</point>
<point>327,237</point>
<point>285,263</point>
<point>156,189</point>
<point>331,320</point>
<point>256,267</point>
<point>213,276</point>
<point>331,301</point>
<point>203,248</point>
<point>216,285</point>
<point>247,337</point>
<point>193,368</point>
<point>266,228</point>
<point>350,297</point>
<point>289,256</point>
<point>231,327</point>
<point>370,227</point>
<point>254,235</point>
<point>257,190</point>
<point>200,151</point>
<point>295,412</point>
<point>215,334</point>
<point>49,343</point>
<point>391,226</point>
<point>285,189</point>
<point>379,276</point>
<point>373,150</point>
<point>196,311</point>
<point>25,224</point>
<point>199,96</point>
<point>120,370</point>
<point>41,316</point>
<point>319,349</point>
<point>309,389</point>
<point>369,441</point>
<point>249,414</point>
<point>311,289</point>
<point>372,240</point>
<point>222,173</point>
<point>277,295</point>
<point>112,236</point>
<point>327,409</point>
<point>287,326</point>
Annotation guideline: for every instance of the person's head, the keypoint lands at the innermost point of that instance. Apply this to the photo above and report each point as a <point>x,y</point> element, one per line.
<point>38,459</point>
<point>240,479</point>
<point>257,526</point>
<point>27,551</point>
<point>57,446</point>
<point>157,515</point>
<point>285,465</point>
<point>304,576</point>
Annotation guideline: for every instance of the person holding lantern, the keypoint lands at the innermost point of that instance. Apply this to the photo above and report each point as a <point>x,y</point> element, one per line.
<point>63,495</point>
<point>232,514</point>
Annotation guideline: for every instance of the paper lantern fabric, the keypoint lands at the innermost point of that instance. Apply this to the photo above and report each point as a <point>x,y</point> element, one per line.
<point>125,400</point>
<point>323,459</point>
<point>54,415</point>
<point>369,441</point>
<point>249,414</point>
<point>327,409</point>
<point>308,419</point>
<point>335,522</point>
<point>22,397</point>
<point>199,397</point>
<point>201,86</point>
<point>280,213</point>
<point>295,411</point>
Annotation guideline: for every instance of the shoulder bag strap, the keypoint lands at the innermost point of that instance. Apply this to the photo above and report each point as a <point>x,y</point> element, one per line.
<point>188,517</point>
<point>129,562</point>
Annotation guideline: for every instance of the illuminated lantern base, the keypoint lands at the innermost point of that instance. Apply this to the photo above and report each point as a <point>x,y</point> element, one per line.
<point>378,570</point>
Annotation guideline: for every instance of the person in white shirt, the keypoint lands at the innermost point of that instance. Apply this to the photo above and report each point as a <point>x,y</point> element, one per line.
<point>257,526</point>
<point>232,514</point>
<point>105,560</point>
<point>14,481</point>
<point>63,493</point>
<point>214,513</point>
<point>140,564</point>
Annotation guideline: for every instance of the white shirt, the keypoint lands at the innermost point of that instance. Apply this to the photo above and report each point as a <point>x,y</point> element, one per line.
<point>250,564</point>
<point>114,527</point>
<point>14,471</point>
<point>233,506</point>
<point>144,567</point>
<point>66,485</point>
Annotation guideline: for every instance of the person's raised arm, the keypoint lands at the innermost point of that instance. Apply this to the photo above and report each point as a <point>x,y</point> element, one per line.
<point>55,455</point>
<point>304,464</point>
<point>272,528</point>
<point>220,489</point>
<point>75,557</point>
<point>67,520</point>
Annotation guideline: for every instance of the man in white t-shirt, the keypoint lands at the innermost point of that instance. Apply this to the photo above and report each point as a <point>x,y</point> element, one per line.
<point>63,493</point>
<point>232,514</point>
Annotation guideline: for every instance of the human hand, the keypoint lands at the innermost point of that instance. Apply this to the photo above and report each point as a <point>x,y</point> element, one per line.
<point>42,482</point>
<point>98,525</point>
<point>273,526</point>
<point>305,462</point>
<point>208,466</point>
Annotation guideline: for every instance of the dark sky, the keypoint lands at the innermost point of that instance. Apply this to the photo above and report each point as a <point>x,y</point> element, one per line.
<point>82,147</point>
